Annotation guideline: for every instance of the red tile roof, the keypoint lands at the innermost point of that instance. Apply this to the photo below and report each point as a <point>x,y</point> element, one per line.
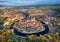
<point>10,17</point>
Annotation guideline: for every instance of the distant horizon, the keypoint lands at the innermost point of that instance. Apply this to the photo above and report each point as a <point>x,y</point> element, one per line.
<point>28,2</point>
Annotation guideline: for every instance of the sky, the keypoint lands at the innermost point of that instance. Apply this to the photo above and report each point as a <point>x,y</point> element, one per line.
<point>27,2</point>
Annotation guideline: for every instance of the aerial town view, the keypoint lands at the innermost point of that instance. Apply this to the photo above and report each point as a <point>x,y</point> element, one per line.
<point>30,24</point>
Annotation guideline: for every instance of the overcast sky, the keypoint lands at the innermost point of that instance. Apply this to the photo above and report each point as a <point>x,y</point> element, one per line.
<point>27,2</point>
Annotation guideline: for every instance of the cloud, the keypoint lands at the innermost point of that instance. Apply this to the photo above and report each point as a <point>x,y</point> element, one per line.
<point>27,2</point>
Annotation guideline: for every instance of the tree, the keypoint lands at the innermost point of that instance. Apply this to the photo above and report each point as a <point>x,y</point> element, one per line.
<point>2,20</point>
